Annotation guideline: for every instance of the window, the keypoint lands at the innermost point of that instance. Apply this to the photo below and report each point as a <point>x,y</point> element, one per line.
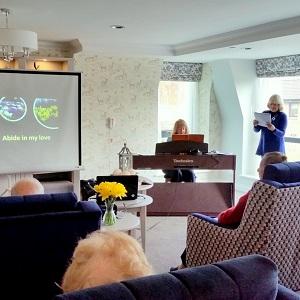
<point>293,108</point>
<point>176,100</point>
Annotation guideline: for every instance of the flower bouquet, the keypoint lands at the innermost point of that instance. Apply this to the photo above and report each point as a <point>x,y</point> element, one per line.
<point>109,192</point>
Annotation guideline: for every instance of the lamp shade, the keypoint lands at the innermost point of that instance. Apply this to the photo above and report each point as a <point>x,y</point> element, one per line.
<point>19,39</point>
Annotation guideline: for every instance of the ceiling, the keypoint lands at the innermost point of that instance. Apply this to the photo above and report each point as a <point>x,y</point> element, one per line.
<point>178,30</point>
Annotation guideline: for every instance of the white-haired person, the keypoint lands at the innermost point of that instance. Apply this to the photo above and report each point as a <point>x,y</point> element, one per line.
<point>105,257</point>
<point>272,136</point>
<point>27,186</point>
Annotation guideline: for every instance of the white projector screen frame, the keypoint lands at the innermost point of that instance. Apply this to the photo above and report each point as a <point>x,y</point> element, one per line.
<point>40,121</point>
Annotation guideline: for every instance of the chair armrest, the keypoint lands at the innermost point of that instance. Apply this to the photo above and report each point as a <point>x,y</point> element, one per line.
<point>88,206</point>
<point>207,243</point>
<point>286,294</point>
<point>214,221</point>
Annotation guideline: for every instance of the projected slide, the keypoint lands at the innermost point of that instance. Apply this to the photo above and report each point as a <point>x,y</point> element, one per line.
<point>39,121</point>
<point>13,109</point>
<point>46,112</point>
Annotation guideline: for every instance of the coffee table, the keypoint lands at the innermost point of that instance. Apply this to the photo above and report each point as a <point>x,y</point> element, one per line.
<point>137,206</point>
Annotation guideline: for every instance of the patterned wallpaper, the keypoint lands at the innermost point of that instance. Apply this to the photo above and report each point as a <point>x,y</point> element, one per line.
<point>215,123</point>
<point>209,114</point>
<point>125,89</point>
<point>278,66</point>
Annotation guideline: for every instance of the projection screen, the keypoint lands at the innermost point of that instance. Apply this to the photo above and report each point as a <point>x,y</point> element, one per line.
<point>39,121</point>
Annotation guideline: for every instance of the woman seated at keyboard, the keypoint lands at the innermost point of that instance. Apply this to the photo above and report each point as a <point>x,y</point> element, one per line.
<point>179,175</point>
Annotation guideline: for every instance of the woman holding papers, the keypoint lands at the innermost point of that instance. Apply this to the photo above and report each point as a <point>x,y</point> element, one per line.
<point>272,130</point>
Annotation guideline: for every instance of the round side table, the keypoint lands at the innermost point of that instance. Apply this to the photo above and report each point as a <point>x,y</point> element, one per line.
<point>125,222</point>
<point>137,206</point>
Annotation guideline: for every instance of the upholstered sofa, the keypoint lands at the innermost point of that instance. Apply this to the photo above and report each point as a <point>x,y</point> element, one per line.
<point>38,235</point>
<point>270,226</point>
<point>250,277</point>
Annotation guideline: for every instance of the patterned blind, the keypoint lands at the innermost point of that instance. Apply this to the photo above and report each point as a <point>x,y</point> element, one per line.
<point>278,66</point>
<point>178,71</point>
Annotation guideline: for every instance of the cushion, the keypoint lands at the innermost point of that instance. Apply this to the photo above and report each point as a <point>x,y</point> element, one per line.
<point>249,277</point>
<point>287,172</point>
<point>36,204</point>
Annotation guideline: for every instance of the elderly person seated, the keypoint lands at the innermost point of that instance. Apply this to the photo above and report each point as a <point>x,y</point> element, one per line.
<point>105,257</point>
<point>27,186</point>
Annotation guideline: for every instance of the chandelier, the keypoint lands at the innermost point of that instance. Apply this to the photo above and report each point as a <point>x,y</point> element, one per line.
<point>15,43</point>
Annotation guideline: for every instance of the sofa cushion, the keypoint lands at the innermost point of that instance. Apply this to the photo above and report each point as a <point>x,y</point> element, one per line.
<point>287,172</point>
<point>249,277</point>
<point>37,204</point>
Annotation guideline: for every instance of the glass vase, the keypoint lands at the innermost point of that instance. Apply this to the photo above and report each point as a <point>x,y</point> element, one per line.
<point>109,217</point>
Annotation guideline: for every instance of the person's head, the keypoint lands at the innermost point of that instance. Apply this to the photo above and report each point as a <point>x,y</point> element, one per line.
<point>270,158</point>
<point>105,257</point>
<point>180,127</point>
<point>27,186</point>
<point>275,103</point>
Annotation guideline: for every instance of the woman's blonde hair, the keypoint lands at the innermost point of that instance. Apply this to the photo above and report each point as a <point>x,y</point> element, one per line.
<point>180,123</point>
<point>277,100</point>
<point>105,257</point>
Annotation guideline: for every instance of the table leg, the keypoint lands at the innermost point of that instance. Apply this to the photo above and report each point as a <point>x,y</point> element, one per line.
<point>143,216</point>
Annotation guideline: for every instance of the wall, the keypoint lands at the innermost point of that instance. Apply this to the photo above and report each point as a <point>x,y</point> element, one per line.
<point>246,83</point>
<point>232,121</point>
<point>122,88</point>
<point>208,110</point>
<point>236,86</point>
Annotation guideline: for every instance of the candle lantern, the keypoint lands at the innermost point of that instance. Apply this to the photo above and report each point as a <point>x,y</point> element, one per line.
<point>125,159</point>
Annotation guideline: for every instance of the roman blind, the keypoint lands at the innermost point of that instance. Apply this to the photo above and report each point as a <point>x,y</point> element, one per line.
<point>278,66</point>
<point>181,71</point>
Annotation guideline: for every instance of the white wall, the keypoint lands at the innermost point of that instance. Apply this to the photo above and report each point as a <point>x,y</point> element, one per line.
<point>236,88</point>
<point>232,121</point>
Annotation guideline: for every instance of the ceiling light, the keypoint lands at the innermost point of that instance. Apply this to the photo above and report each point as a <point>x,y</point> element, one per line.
<point>16,43</point>
<point>117,26</point>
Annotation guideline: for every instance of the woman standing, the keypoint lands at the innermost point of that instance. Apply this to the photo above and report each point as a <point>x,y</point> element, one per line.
<point>272,136</point>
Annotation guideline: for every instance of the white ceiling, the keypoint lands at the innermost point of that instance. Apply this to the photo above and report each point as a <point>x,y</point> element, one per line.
<point>179,30</point>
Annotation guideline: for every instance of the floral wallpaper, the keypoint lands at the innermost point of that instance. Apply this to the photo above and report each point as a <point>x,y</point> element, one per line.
<point>209,113</point>
<point>125,89</point>
<point>179,71</point>
<point>278,66</point>
<point>122,88</point>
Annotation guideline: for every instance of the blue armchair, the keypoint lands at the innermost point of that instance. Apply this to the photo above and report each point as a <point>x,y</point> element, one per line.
<point>38,235</point>
<point>249,277</point>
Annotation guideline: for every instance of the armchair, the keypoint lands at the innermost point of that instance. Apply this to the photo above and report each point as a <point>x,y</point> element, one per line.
<point>270,226</point>
<point>38,235</point>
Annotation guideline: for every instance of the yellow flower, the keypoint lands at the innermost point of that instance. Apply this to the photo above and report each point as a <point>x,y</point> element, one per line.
<point>110,190</point>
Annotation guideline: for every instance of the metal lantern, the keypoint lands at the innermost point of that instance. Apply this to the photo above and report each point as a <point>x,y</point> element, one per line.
<point>125,159</point>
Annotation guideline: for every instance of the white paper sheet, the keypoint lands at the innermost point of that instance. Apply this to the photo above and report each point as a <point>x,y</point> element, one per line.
<point>262,118</point>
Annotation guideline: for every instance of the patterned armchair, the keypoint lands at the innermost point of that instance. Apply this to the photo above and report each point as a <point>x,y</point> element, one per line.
<point>270,226</point>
